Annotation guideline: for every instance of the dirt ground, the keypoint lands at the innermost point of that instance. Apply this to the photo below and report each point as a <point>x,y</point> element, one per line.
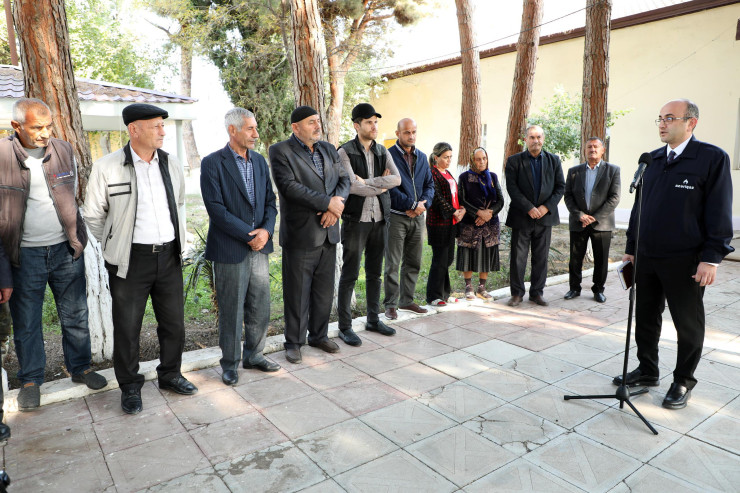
<point>199,335</point>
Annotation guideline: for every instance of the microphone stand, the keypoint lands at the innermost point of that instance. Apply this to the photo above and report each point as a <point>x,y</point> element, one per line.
<point>623,392</point>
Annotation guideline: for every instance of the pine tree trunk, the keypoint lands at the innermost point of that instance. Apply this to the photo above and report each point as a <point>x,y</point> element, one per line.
<point>47,74</point>
<point>337,80</point>
<point>308,55</point>
<point>186,76</point>
<point>526,62</point>
<point>595,71</point>
<point>470,121</point>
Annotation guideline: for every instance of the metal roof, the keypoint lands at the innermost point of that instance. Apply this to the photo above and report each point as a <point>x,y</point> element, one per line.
<point>11,86</point>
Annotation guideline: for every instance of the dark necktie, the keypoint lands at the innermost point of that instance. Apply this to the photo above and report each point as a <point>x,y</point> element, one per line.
<point>671,157</point>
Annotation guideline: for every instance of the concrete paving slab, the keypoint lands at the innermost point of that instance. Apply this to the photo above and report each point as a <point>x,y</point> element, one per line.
<point>297,417</point>
<point>521,476</point>
<point>415,379</point>
<point>378,361</point>
<point>515,429</point>
<point>407,422</point>
<point>363,396</point>
<point>458,364</point>
<point>460,401</point>
<point>504,384</point>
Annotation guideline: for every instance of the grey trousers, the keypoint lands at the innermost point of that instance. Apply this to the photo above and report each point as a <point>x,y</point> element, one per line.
<point>404,249</point>
<point>243,295</point>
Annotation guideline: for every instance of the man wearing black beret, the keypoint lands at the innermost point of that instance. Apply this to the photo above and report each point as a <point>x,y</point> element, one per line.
<point>313,186</point>
<point>133,204</point>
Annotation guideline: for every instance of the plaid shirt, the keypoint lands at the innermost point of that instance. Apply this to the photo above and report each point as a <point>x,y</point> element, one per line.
<point>316,158</point>
<point>247,171</point>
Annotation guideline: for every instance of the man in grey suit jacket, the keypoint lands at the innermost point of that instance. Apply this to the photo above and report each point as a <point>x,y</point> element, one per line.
<point>312,185</point>
<point>591,195</point>
<point>535,182</point>
<point>237,193</point>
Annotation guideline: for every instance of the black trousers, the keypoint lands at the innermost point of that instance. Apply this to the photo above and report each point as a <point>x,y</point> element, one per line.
<point>359,237</point>
<point>538,237</point>
<point>308,292</point>
<point>158,275</point>
<point>669,279</point>
<point>600,242</point>
<point>438,282</point>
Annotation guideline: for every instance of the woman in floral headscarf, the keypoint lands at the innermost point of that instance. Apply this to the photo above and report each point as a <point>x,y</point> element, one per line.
<point>477,244</point>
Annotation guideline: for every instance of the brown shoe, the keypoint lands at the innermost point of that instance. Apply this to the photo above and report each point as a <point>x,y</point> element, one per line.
<point>391,313</point>
<point>539,300</point>
<point>413,307</point>
<point>326,346</point>
<point>515,301</point>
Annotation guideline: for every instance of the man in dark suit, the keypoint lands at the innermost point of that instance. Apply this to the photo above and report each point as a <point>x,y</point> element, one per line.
<point>591,195</point>
<point>685,232</point>
<point>238,196</point>
<point>535,182</point>
<point>313,186</point>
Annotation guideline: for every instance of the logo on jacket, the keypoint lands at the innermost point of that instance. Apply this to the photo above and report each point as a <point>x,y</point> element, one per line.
<point>685,185</point>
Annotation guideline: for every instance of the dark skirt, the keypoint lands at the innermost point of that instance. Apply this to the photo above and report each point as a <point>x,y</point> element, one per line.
<point>479,259</point>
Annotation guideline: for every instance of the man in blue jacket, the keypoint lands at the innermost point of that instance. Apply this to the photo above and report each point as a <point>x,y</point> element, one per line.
<point>685,232</point>
<point>238,196</point>
<point>409,201</point>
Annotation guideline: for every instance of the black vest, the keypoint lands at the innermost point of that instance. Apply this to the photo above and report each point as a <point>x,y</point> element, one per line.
<point>353,206</point>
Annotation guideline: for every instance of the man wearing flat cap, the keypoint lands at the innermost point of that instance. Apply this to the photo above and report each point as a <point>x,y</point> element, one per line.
<point>312,186</point>
<point>44,236</point>
<point>365,219</point>
<point>134,198</point>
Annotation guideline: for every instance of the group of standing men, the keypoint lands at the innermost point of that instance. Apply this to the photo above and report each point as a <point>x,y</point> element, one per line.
<point>135,195</point>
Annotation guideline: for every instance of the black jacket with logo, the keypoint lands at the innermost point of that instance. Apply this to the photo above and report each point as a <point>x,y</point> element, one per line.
<point>686,205</point>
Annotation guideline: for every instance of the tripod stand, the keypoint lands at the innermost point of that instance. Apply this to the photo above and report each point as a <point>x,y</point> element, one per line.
<point>623,392</point>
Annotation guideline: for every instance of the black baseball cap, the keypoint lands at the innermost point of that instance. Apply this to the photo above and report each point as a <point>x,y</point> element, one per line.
<point>364,110</point>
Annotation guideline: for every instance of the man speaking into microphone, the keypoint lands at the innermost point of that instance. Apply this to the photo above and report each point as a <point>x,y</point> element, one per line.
<point>685,232</point>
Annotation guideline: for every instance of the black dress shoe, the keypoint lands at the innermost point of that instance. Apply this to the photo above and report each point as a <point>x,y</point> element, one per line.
<point>131,401</point>
<point>230,377</point>
<point>635,378</point>
<point>293,355</point>
<point>179,385</point>
<point>599,297</point>
<point>380,328</point>
<point>571,294</point>
<point>264,365</point>
<point>515,301</point>
<point>677,397</point>
<point>539,300</point>
<point>326,346</point>
<point>4,431</point>
<point>350,338</point>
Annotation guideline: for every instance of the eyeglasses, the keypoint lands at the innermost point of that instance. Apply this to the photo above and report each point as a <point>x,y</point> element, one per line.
<point>670,119</point>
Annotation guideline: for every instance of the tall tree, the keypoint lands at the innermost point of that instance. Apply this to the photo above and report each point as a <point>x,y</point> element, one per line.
<point>47,72</point>
<point>308,55</point>
<point>526,62</point>
<point>595,71</point>
<point>353,31</point>
<point>191,17</point>
<point>470,121</point>
<point>245,42</point>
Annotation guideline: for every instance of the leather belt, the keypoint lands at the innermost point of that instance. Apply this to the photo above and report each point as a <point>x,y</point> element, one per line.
<point>152,248</point>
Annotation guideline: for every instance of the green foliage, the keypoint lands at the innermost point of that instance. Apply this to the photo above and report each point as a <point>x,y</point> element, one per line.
<point>560,118</point>
<point>106,46</point>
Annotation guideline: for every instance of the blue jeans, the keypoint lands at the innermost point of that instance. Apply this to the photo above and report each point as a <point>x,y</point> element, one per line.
<point>56,266</point>
<point>243,295</point>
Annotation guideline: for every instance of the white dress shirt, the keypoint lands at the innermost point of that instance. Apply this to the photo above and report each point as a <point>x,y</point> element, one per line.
<point>153,223</point>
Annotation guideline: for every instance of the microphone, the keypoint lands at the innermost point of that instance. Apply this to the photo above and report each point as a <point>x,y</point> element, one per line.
<point>645,160</point>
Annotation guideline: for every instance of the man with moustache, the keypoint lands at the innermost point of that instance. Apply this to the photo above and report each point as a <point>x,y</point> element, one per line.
<point>685,232</point>
<point>591,195</point>
<point>409,201</point>
<point>237,192</point>
<point>44,236</point>
<point>535,182</point>
<point>372,173</point>
<point>133,204</point>
<point>313,187</point>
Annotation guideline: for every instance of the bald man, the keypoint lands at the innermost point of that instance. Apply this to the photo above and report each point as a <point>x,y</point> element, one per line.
<point>409,201</point>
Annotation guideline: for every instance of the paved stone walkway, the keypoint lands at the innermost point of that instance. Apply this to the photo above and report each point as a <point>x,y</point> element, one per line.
<point>469,399</point>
